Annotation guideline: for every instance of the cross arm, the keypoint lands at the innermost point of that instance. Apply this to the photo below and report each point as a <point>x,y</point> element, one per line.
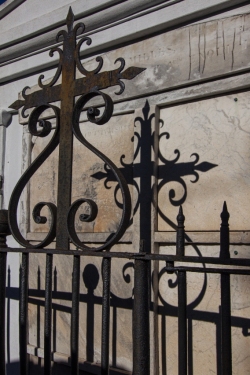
<point>39,97</point>
<point>81,86</point>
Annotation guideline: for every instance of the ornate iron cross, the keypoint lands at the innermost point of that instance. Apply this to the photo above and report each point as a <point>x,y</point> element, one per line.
<point>67,123</point>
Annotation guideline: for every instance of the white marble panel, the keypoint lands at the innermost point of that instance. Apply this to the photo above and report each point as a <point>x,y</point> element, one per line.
<point>218,131</point>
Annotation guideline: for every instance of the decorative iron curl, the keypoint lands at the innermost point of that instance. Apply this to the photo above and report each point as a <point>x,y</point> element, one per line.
<point>174,283</point>
<point>79,26</point>
<point>24,95</point>
<point>58,72</point>
<point>92,116</point>
<point>172,194</point>
<point>13,204</point>
<point>120,83</point>
<point>83,217</point>
<point>197,158</point>
<point>79,65</point>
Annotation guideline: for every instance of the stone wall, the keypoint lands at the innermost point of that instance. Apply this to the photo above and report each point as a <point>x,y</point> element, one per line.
<point>202,160</point>
<point>180,135</point>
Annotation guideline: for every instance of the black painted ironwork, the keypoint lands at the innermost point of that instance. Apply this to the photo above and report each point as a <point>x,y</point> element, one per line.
<point>67,124</point>
<point>75,315</point>
<point>182,296</point>
<point>226,345</point>
<point>62,227</point>
<point>4,232</point>
<point>168,171</point>
<point>106,270</point>
<point>141,353</point>
<point>63,215</point>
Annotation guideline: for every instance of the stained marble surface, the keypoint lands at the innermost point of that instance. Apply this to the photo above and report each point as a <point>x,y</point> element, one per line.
<point>218,131</point>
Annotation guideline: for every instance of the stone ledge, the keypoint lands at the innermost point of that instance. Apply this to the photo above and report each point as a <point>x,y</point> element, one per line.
<point>118,29</point>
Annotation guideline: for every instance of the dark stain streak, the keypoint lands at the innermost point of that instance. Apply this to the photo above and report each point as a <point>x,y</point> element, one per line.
<point>204,62</point>
<point>232,66</point>
<point>190,55</point>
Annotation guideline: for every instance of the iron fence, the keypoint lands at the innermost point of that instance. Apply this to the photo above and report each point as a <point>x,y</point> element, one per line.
<point>63,231</point>
<point>179,263</point>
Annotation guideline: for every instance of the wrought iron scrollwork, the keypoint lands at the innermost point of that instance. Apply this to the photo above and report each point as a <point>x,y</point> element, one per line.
<point>87,87</point>
<point>58,72</point>
<point>91,113</point>
<point>45,129</point>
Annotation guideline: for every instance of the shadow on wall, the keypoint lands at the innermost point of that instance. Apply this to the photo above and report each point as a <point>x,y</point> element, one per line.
<point>166,311</point>
<point>169,170</point>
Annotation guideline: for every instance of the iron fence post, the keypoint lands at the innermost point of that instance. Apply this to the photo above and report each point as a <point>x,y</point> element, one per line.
<point>226,343</point>
<point>4,231</point>
<point>106,269</point>
<point>141,349</point>
<point>182,297</point>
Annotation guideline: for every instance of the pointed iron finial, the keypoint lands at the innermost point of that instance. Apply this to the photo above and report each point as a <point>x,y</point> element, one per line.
<point>70,20</point>
<point>17,104</point>
<point>224,233</point>
<point>205,166</point>
<point>180,218</point>
<point>224,215</point>
<point>180,234</point>
<point>146,109</point>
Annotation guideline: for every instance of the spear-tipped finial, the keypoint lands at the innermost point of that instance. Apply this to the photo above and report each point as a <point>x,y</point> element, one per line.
<point>146,110</point>
<point>224,233</point>
<point>17,104</point>
<point>70,19</point>
<point>180,234</point>
<point>180,217</point>
<point>224,215</point>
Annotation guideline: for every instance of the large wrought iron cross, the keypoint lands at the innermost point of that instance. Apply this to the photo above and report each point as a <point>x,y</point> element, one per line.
<point>88,87</point>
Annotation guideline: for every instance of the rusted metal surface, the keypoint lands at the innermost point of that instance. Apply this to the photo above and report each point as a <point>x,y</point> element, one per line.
<point>4,231</point>
<point>62,225</point>
<point>67,120</point>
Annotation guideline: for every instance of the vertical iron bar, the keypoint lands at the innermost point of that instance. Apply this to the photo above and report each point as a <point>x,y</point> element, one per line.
<point>54,312</point>
<point>3,257</point>
<point>105,315</point>
<point>182,322</point>
<point>141,351</point>
<point>38,330</point>
<point>182,297</point>
<point>226,344</point>
<point>75,316</point>
<point>180,233</point>
<point>114,339</point>
<point>8,318</point>
<point>190,347</point>
<point>4,231</point>
<point>23,314</point>
<point>66,136</point>
<point>48,314</point>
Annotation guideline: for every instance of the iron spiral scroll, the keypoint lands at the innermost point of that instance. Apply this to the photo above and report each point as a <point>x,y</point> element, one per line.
<point>67,123</point>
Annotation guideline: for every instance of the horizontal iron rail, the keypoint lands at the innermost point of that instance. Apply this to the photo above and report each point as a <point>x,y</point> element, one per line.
<point>200,243</point>
<point>209,270</point>
<point>243,262</point>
